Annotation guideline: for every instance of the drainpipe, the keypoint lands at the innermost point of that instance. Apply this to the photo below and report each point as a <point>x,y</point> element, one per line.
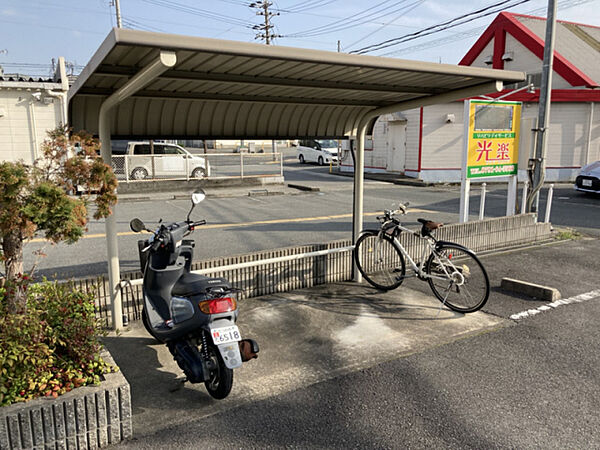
<point>33,127</point>
<point>165,60</point>
<point>359,166</point>
<point>62,96</point>
<point>589,135</point>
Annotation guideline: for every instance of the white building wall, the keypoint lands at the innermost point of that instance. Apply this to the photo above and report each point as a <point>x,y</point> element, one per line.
<point>525,61</point>
<point>376,154</point>
<point>488,52</point>
<point>567,140</point>
<point>442,143</point>
<point>24,122</point>
<point>413,131</point>
<point>443,137</point>
<point>594,150</point>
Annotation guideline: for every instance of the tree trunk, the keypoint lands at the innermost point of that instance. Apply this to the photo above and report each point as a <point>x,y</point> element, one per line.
<point>12,247</point>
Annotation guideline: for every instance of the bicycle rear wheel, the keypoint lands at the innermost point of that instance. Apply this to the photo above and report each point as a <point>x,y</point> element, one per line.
<point>459,279</point>
<point>379,260</point>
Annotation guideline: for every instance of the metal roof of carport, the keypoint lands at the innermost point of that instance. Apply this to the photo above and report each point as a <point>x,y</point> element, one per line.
<point>143,85</point>
<point>227,89</point>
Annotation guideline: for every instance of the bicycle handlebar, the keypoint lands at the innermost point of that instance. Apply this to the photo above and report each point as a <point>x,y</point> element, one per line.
<point>389,213</point>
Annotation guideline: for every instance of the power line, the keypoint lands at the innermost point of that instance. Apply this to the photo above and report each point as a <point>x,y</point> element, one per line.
<point>198,12</point>
<point>465,18</point>
<point>408,9</point>
<point>562,5</point>
<point>311,4</point>
<point>353,20</point>
<point>134,24</point>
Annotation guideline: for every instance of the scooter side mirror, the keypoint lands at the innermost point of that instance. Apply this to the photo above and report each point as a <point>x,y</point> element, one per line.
<point>137,225</point>
<point>198,196</point>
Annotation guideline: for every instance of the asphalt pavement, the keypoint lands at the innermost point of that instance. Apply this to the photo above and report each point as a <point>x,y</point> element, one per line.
<point>347,366</point>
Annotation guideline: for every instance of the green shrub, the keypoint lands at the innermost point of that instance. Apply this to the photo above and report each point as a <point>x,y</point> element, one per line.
<point>50,348</point>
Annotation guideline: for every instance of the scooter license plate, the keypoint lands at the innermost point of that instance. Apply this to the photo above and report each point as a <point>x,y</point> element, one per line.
<point>226,334</point>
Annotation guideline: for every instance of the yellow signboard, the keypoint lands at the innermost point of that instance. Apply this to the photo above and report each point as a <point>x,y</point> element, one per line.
<point>493,138</point>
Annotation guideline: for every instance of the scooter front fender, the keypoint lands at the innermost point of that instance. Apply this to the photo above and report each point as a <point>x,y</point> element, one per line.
<point>230,352</point>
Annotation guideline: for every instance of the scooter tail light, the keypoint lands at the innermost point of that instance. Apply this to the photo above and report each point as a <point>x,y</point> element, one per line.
<point>218,305</point>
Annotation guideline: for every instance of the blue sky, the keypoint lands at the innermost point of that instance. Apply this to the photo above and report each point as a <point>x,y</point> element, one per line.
<point>32,32</point>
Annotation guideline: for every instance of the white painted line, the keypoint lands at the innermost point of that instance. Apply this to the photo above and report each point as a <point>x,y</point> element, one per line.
<point>565,301</point>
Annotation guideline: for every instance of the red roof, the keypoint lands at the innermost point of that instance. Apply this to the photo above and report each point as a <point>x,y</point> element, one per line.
<point>515,25</point>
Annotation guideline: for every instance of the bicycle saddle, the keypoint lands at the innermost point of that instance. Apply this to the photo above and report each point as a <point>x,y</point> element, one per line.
<point>429,226</point>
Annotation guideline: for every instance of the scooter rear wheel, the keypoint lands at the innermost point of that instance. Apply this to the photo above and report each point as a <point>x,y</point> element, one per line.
<point>221,378</point>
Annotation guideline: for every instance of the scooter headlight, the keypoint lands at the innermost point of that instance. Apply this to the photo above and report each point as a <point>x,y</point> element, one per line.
<point>218,305</point>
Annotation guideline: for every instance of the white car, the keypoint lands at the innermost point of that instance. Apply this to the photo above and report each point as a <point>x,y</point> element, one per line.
<point>169,161</point>
<point>321,151</point>
<point>588,179</point>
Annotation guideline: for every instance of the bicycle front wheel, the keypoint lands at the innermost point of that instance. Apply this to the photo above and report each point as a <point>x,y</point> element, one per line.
<point>458,279</point>
<point>379,260</point>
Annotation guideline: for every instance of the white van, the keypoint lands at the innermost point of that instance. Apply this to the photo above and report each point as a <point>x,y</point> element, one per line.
<point>170,160</point>
<point>321,151</point>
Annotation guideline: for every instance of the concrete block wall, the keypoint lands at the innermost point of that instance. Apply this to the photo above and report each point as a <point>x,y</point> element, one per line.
<point>88,417</point>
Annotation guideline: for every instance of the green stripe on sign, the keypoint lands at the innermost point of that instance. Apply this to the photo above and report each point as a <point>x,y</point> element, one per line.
<point>493,135</point>
<point>491,171</point>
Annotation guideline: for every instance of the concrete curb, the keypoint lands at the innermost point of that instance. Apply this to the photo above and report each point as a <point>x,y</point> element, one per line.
<point>301,187</point>
<point>88,417</point>
<point>530,289</point>
<point>387,178</point>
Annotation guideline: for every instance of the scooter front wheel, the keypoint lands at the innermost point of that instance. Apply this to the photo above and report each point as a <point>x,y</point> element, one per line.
<point>221,378</point>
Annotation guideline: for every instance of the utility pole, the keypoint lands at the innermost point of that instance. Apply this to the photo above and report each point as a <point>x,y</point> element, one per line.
<point>538,163</point>
<point>264,31</point>
<point>118,11</point>
<point>339,46</point>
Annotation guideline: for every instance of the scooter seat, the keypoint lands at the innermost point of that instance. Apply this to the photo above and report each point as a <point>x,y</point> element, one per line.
<point>194,284</point>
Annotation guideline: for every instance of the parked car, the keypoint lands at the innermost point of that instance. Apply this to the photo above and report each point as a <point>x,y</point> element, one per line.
<point>321,151</point>
<point>588,179</point>
<point>169,161</point>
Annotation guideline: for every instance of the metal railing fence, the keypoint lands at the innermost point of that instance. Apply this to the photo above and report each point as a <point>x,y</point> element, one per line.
<point>282,270</point>
<point>137,168</point>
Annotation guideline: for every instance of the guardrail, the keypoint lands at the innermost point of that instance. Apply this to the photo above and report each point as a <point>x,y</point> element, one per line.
<point>282,270</point>
<point>139,168</point>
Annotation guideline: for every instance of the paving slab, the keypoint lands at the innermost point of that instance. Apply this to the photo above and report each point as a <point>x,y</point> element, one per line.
<point>306,336</point>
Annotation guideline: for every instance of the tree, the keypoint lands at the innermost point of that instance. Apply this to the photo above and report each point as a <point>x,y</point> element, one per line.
<point>35,198</point>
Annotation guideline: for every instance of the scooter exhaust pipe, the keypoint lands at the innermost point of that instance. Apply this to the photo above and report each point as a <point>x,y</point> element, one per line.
<point>190,360</point>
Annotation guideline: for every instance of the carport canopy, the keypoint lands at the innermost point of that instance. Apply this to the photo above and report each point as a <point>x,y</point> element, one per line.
<point>151,85</point>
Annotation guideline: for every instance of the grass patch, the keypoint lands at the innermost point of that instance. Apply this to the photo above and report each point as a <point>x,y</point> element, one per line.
<point>565,234</point>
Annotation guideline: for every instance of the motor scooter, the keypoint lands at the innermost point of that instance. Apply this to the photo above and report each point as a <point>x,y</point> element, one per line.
<point>194,315</point>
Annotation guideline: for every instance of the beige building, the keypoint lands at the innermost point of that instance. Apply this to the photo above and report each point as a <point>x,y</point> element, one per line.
<point>427,143</point>
<point>28,109</point>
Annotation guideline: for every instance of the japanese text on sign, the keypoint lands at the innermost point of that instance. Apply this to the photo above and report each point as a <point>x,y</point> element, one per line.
<point>493,138</point>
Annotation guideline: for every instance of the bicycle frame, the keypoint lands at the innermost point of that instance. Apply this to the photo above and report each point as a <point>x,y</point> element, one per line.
<point>427,250</point>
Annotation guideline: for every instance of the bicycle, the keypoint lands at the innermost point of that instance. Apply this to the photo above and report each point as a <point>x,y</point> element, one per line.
<point>454,273</point>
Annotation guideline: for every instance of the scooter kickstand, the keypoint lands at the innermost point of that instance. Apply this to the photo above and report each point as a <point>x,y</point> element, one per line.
<point>179,383</point>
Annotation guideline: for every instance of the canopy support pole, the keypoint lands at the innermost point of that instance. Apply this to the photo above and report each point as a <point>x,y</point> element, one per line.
<point>165,60</point>
<point>359,181</point>
<point>359,167</point>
